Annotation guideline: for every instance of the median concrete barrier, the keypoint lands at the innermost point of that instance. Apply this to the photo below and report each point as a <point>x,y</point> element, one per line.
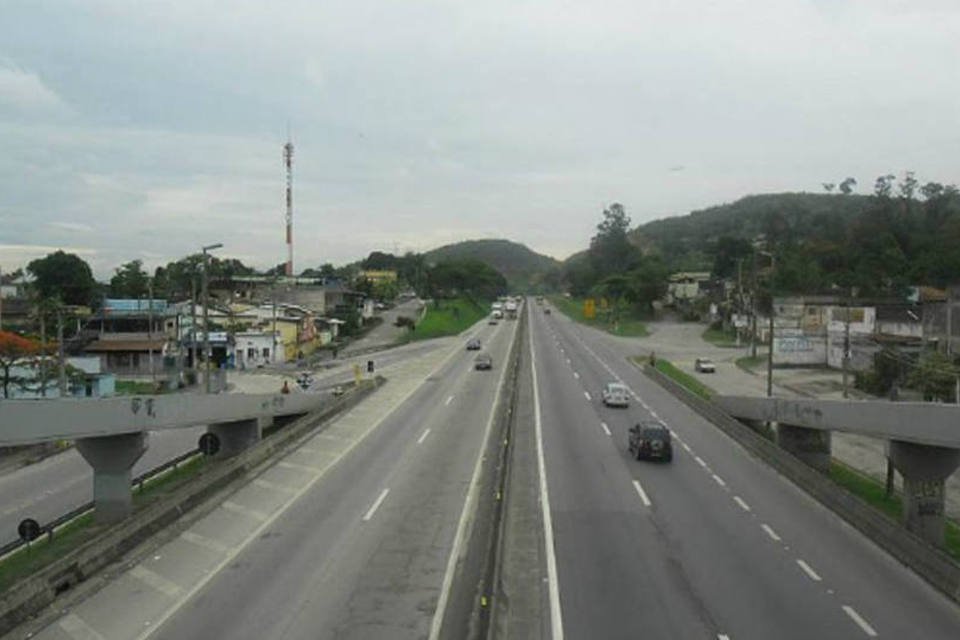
<point>107,544</point>
<point>932,564</point>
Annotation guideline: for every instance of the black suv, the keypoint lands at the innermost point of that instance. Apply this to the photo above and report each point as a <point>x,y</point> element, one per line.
<point>651,440</point>
<point>473,345</point>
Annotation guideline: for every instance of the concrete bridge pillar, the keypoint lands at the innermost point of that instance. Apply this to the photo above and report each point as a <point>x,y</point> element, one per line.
<point>238,435</point>
<point>810,445</point>
<point>112,459</point>
<point>924,469</point>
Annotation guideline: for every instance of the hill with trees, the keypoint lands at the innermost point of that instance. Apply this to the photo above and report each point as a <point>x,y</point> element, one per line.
<point>523,268</point>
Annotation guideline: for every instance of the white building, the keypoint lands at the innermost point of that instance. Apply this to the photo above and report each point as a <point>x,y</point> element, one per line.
<point>252,349</point>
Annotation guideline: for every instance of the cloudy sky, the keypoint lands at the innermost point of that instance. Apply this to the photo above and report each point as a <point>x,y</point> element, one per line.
<point>145,129</point>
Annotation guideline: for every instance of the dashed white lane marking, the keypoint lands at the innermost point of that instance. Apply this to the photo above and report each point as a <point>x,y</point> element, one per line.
<point>376,505</point>
<point>686,447</point>
<point>576,375</point>
<point>719,480</point>
<point>77,629</point>
<point>423,436</point>
<point>606,429</point>
<point>700,461</point>
<point>586,394</point>
<point>274,486</point>
<point>770,532</point>
<point>286,464</point>
<point>856,617</point>
<point>568,360</point>
<point>205,542</point>
<point>654,415</point>
<point>743,505</point>
<point>230,505</point>
<point>643,494</point>
<point>155,580</point>
<point>449,400</point>
<point>807,569</point>
<point>722,636</point>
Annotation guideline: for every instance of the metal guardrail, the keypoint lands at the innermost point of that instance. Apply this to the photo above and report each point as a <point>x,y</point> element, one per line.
<point>50,528</point>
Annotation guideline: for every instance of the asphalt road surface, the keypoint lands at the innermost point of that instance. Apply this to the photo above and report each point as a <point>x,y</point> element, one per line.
<point>350,536</point>
<point>712,545</point>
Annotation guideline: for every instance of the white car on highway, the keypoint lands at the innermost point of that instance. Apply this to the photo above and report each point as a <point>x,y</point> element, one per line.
<point>615,394</point>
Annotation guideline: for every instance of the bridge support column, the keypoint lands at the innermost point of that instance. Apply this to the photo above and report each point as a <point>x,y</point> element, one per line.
<point>810,445</point>
<point>924,469</point>
<point>236,436</point>
<point>112,459</point>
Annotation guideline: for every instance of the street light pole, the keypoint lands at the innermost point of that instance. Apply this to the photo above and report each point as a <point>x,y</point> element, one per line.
<point>773,267</point>
<point>206,311</point>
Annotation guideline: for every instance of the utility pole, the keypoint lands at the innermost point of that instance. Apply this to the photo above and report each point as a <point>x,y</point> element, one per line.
<point>753,310</point>
<point>1,298</point>
<point>153,372</point>
<point>206,316</point>
<point>193,327</point>
<point>61,360</point>
<point>949,320</point>
<point>773,266</point>
<point>846,342</point>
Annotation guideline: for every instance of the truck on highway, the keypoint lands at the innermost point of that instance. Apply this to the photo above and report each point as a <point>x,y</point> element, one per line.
<point>511,309</point>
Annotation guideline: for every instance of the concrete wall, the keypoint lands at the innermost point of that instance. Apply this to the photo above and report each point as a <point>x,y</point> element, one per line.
<point>799,349</point>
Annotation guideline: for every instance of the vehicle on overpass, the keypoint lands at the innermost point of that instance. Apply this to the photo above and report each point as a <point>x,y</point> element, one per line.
<point>704,365</point>
<point>473,345</point>
<point>651,441</point>
<point>615,394</point>
<point>483,362</point>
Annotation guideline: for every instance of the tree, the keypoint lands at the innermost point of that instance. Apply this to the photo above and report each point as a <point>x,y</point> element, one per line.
<point>883,186</point>
<point>847,185</point>
<point>14,350</point>
<point>130,281</point>
<point>64,276</point>
<point>610,249</point>
<point>829,186</point>
<point>728,253</point>
<point>935,375</point>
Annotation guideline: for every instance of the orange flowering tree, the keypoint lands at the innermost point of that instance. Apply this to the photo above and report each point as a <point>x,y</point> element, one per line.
<point>14,353</point>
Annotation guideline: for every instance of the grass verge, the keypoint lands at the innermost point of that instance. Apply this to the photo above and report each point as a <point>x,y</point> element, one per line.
<point>873,492</point>
<point>447,318</point>
<point>43,551</point>
<point>719,337</point>
<point>573,308</point>
<point>749,364</point>
<point>681,377</point>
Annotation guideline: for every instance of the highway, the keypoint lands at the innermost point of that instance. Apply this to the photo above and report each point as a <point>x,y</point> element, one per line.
<point>350,536</point>
<point>714,545</point>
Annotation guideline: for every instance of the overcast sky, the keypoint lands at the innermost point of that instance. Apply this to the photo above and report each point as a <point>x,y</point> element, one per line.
<point>145,129</point>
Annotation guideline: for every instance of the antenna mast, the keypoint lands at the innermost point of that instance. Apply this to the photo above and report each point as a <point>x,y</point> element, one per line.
<point>288,161</point>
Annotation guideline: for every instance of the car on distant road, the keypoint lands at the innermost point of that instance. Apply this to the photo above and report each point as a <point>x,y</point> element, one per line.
<point>546,310</point>
<point>473,345</point>
<point>615,394</point>
<point>704,365</point>
<point>650,440</point>
<point>483,361</point>
<point>493,320</point>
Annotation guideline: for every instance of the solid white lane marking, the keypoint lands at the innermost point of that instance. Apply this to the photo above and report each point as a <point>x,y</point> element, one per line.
<point>576,375</point>
<point>376,505</point>
<point>459,538</point>
<point>807,569</point>
<point>719,480</point>
<point>856,617</point>
<point>286,464</point>
<point>449,400</point>
<point>76,628</point>
<point>423,436</point>
<point>155,580</point>
<point>642,493</point>
<point>743,505</point>
<point>770,532</point>
<point>686,447</point>
<point>205,542</point>
<point>266,484</point>
<point>553,585</point>
<point>700,461</point>
<point>586,394</point>
<point>229,505</point>
<point>606,429</point>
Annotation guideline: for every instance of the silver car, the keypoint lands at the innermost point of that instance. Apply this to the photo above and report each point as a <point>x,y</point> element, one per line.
<point>615,394</point>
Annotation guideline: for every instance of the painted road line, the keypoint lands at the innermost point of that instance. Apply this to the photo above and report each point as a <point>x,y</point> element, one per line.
<point>449,400</point>
<point>642,493</point>
<point>586,394</point>
<point>568,360</point>
<point>686,447</point>
<point>654,415</point>
<point>856,617</point>
<point>235,507</point>
<point>770,532</point>
<point>286,464</point>
<point>205,542</point>
<point>156,581</point>
<point>576,375</point>
<point>807,569</point>
<point>719,480</point>
<point>77,629</point>
<point>376,505</point>
<point>423,436</point>
<point>722,636</point>
<point>700,461</point>
<point>743,505</point>
<point>274,486</point>
<point>553,585</point>
<point>606,429</point>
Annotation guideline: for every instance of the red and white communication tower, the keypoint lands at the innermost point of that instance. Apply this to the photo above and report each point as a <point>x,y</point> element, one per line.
<point>288,161</point>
